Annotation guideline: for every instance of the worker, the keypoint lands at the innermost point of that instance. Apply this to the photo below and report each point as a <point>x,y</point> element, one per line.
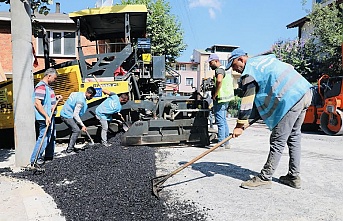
<point>106,109</point>
<point>281,96</point>
<point>221,95</point>
<point>175,93</point>
<point>71,113</point>
<point>44,102</point>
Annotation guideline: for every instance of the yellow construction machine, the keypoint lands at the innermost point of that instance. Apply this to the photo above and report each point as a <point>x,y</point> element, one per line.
<point>123,64</point>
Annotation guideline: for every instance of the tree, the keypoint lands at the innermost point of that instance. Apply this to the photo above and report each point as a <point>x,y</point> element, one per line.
<point>40,5</point>
<point>327,23</point>
<point>299,54</point>
<point>163,29</point>
<point>321,52</point>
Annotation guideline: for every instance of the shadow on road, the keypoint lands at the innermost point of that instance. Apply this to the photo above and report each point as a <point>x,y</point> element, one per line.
<point>211,168</point>
<point>226,169</point>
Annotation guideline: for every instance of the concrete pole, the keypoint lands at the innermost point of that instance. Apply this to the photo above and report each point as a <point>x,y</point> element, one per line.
<point>24,121</point>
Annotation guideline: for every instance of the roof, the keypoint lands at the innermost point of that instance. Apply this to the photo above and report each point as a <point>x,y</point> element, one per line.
<point>109,21</point>
<point>58,18</point>
<point>228,46</point>
<point>202,51</point>
<point>298,23</point>
<point>186,62</point>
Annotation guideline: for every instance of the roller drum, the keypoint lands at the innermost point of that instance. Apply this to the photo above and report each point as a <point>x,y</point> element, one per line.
<point>331,123</point>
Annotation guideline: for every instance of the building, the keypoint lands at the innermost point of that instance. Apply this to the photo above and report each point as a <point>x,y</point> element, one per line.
<point>303,25</point>
<point>184,79</point>
<point>61,34</point>
<point>201,57</point>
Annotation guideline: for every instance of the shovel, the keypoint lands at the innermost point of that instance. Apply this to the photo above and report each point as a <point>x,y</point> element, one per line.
<point>125,126</point>
<point>89,136</point>
<point>35,167</point>
<point>157,182</point>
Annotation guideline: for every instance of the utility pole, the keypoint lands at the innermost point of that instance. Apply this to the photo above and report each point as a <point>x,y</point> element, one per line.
<point>24,120</point>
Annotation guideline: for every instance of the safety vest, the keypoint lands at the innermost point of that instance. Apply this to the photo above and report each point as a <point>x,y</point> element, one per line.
<point>69,106</point>
<point>108,107</point>
<point>280,87</point>
<point>46,102</point>
<point>226,92</point>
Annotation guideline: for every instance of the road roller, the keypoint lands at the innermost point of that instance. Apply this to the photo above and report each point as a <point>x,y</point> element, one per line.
<point>326,110</point>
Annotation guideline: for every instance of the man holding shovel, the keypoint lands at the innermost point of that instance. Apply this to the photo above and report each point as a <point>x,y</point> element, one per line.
<point>45,102</point>
<point>72,110</point>
<point>106,109</point>
<point>281,96</point>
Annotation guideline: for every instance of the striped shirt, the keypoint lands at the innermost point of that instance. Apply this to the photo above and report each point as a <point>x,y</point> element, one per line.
<point>249,87</point>
<point>40,93</point>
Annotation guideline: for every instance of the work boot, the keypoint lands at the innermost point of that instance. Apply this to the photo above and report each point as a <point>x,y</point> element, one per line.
<point>292,181</point>
<point>106,144</point>
<point>48,158</point>
<point>40,162</point>
<point>256,183</point>
<point>227,146</point>
<point>70,150</point>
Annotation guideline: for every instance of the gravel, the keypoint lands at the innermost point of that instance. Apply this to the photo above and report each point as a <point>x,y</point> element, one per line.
<point>110,183</point>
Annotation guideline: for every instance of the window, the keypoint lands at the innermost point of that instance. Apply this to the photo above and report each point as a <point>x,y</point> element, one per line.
<point>194,67</point>
<point>180,67</point>
<point>172,80</point>
<point>60,43</point>
<point>189,81</point>
<point>223,62</point>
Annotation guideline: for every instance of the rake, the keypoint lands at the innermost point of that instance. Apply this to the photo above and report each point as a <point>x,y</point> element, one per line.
<point>157,182</point>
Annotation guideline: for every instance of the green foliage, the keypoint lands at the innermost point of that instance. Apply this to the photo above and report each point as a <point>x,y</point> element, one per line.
<point>321,52</point>
<point>298,53</point>
<point>327,25</point>
<point>234,106</point>
<point>163,28</point>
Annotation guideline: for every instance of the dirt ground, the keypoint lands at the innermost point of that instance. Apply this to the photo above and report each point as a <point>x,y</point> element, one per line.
<point>213,182</point>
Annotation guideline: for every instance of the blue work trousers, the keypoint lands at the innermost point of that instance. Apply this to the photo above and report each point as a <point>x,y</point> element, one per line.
<point>47,144</point>
<point>220,110</point>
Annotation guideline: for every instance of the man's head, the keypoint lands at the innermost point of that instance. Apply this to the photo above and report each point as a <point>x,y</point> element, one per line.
<point>213,61</point>
<point>90,92</point>
<point>123,98</point>
<point>237,60</point>
<point>174,90</point>
<point>50,75</point>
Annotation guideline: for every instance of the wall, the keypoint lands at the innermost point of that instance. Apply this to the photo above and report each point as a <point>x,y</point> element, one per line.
<point>6,50</point>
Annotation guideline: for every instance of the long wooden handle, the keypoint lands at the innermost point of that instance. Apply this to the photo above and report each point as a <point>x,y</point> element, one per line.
<point>211,149</point>
<point>97,81</point>
<point>89,136</point>
<point>46,131</point>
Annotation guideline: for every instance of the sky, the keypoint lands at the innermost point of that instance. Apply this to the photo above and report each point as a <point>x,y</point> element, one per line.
<point>253,25</point>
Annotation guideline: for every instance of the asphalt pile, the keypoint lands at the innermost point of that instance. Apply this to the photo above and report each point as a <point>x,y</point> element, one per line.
<point>110,183</point>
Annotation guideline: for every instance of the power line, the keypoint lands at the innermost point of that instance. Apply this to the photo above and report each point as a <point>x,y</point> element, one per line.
<point>185,14</point>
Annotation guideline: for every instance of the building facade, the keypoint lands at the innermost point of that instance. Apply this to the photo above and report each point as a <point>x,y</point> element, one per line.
<point>61,35</point>
<point>201,57</point>
<point>303,24</point>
